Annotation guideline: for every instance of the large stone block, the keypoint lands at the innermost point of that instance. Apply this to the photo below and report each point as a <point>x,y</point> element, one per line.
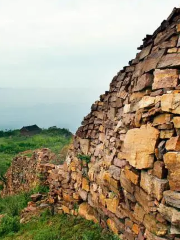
<point>145,52</point>
<point>139,146</point>
<point>146,101</point>
<point>144,199</point>
<point>159,170</point>
<point>153,226</point>
<point>176,121</point>
<point>86,211</point>
<point>164,118</point>
<point>112,225</point>
<point>170,214</point>
<point>139,213</point>
<point>153,186</point>
<point>126,183</point>
<point>132,175</point>
<point>172,198</point>
<point>173,144</point>
<point>112,204</point>
<point>172,161</point>
<point>171,103</point>
<point>84,145</point>
<point>144,81</point>
<point>170,60</point>
<point>165,78</point>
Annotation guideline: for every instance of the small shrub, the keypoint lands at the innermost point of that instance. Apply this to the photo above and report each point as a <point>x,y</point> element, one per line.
<point>9,225</point>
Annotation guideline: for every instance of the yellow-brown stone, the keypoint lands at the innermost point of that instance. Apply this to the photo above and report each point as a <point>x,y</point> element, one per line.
<point>111,224</point>
<point>172,161</point>
<point>165,78</point>
<point>173,144</point>
<point>146,101</point>
<point>67,197</point>
<point>139,213</point>
<point>65,209</point>
<point>135,229</point>
<point>166,133</point>
<point>101,128</point>
<point>153,226</point>
<point>86,211</point>
<point>153,186</point>
<point>172,50</point>
<point>85,184</point>
<point>112,204</point>
<point>162,119</point>
<point>102,199</point>
<point>171,103</point>
<point>132,176</point>
<point>178,27</point>
<point>176,121</point>
<point>139,146</point>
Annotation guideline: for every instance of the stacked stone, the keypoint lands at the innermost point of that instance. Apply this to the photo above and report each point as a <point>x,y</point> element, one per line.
<point>28,172</point>
<point>123,167</point>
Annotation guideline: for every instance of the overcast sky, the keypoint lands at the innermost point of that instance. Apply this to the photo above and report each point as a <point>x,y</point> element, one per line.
<point>73,43</point>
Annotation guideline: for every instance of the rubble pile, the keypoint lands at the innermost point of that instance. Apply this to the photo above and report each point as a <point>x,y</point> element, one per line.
<point>123,169</point>
<point>27,172</point>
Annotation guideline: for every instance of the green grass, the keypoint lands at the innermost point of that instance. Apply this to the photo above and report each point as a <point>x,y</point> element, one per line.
<point>60,227</point>
<point>12,143</point>
<point>46,227</point>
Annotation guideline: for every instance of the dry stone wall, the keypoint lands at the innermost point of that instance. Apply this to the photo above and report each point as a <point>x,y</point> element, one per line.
<point>28,172</point>
<point>123,169</point>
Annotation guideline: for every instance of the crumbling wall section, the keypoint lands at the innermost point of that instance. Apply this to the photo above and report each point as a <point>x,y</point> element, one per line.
<point>27,172</point>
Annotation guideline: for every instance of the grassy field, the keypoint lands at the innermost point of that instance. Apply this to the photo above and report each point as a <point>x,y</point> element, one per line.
<point>57,227</point>
<point>45,227</point>
<point>12,143</point>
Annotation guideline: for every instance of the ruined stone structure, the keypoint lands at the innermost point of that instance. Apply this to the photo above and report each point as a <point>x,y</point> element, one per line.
<point>123,169</point>
<point>28,172</point>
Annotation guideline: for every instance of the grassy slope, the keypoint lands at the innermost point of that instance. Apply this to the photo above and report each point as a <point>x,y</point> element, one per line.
<point>12,143</point>
<point>60,227</point>
<point>48,227</point>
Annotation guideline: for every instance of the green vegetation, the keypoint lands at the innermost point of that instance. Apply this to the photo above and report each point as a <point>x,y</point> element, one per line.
<point>85,158</point>
<point>12,205</point>
<point>60,227</point>
<point>45,227</point>
<point>12,143</point>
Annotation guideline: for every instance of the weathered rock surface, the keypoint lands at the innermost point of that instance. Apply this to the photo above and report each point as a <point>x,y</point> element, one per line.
<point>139,151</point>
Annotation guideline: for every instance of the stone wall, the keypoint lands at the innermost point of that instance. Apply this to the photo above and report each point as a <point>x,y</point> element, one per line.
<point>28,170</point>
<point>123,169</point>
